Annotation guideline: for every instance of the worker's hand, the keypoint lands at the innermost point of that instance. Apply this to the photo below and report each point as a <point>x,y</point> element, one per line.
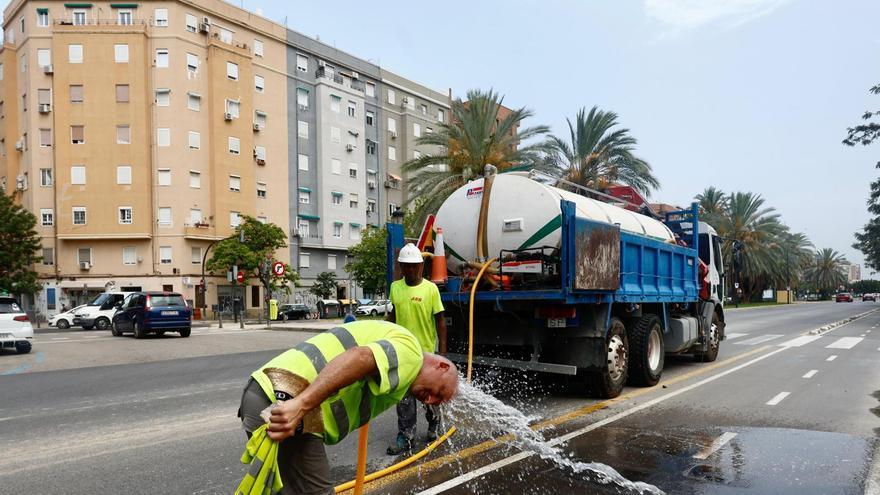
<point>285,417</point>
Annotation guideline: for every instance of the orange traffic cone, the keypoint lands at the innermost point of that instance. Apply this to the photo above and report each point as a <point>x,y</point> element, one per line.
<point>438,263</point>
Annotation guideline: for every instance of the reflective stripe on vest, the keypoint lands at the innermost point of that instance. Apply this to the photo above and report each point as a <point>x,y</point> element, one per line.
<point>391,354</point>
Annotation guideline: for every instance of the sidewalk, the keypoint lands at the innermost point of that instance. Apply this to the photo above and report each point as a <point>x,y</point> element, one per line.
<point>289,326</point>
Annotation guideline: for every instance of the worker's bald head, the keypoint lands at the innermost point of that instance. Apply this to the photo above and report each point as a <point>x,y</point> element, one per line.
<point>437,381</point>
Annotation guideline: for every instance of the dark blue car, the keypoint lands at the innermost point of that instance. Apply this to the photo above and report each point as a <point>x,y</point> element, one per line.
<point>152,312</point>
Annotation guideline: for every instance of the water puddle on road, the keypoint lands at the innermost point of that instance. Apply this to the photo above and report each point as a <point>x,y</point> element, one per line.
<point>477,414</point>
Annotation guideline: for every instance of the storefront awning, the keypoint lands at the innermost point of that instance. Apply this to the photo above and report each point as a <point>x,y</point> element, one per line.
<point>309,217</point>
<point>304,189</point>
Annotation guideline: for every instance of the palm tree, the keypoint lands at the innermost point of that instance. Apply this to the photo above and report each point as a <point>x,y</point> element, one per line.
<point>793,254</point>
<point>599,153</point>
<point>712,203</point>
<point>474,137</point>
<point>825,273</point>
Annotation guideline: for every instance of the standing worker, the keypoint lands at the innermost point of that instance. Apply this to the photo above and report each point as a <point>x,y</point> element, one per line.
<point>354,372</point>
<point>416,307</point>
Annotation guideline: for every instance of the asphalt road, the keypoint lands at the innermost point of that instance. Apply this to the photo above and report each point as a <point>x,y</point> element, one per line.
<point>86,413</point>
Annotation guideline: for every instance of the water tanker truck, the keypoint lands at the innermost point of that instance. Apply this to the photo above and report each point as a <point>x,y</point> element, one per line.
<point>578,286</point>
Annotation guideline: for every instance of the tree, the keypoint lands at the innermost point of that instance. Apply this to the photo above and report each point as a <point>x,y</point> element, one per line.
<point>599,153</point>
<point>19,245</point>
<point>252,248</point>
<point>825,273</point>
<point>712,203</point>
<point>868,132</point>
<point>868,240</point>
<point>368,263</point>
<point>325,285</point>
<point>474,137</point>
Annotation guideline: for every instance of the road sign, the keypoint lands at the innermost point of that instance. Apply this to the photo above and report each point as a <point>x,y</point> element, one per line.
<point>736,285</point>
<point>240,277</point>
<point>278,268</point>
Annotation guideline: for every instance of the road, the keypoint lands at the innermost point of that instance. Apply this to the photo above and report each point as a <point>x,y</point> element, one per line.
<point>775,414</point>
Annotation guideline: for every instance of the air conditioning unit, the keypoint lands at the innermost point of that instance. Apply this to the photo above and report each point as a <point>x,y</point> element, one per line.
<point>349,147</point>
<point>227,116</point>
<point>405,100</point>
<point>258,127</point>
<point>205,27</point>
<point>45,108</point>
<point>206,20</point>
<point>393,135</point>
<point>355,75</point>
<point>20,183</point>
<point>371,184</point>
<point>19,145</point>
<point>261,161</point>
<point>84,265</point>
<point>48,69</point>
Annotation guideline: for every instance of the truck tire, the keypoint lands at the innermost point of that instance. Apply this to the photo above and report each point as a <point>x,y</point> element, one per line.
<point>608,382</point>
<point>646,351</point>
<point>714,343</point>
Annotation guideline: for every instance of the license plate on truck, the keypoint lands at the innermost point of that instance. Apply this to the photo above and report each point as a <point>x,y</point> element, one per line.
<point>555,322</point>
<point>169,313</point>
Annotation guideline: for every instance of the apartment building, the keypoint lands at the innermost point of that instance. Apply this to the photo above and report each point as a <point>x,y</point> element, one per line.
<point>141,133</point>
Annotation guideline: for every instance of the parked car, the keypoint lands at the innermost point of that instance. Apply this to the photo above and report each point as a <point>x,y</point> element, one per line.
<point>64,320</point>
<point>869,297</point>
<point>382,306</point>
<point>99,312</point>
<point>16,331</point>
<point>294,312</point>
<point>843,297</point>
<point>152,312</point>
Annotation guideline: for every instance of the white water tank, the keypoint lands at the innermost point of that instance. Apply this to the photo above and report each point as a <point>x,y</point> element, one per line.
<point>525,213</point>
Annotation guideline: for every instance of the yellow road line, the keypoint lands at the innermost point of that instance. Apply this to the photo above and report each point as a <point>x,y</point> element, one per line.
<point>558,420</point>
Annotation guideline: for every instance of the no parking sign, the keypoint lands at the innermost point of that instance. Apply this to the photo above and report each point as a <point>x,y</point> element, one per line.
<point>278,268</point>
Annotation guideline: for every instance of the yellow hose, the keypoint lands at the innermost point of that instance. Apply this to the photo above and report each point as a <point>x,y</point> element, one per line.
<point>362,459</point>
<point>470,359</point>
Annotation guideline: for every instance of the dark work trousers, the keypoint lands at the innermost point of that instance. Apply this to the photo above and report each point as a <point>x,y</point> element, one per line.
<point>302,459</point>
<point>407,415</point>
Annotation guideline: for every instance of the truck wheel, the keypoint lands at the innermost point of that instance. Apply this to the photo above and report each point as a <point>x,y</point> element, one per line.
<point>138,330</point>
<point>102,323</point>
<point>714,342</point>
<point>608,382</point>
<point>646,349</point>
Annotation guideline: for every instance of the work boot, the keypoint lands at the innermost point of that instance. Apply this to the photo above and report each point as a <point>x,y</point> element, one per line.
<point>403,445</point>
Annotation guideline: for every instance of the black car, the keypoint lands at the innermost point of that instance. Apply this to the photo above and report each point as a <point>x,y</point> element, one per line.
<point>152,312</point>
<point>294,312</point>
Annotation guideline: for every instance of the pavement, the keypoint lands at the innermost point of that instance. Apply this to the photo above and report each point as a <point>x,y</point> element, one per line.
<point>781,411</point>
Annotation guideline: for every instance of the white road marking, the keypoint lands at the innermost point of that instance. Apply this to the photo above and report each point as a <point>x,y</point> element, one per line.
<point>802,340</point>
<point>759,339</point>
<point>779,398</point>
<point>811,373</point>
<point>60,338</point>
<point>862,335</point>
<point>733,335</point>
<point>716,444</point>
<point>845,343</point>
<point>464,478</point>
<point>92,336</point>
<point>832,357</point>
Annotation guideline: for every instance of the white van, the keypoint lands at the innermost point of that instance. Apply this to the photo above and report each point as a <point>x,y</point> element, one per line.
<point>99,312</point>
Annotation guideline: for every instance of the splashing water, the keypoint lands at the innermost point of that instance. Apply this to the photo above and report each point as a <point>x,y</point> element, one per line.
<point>478,413</point>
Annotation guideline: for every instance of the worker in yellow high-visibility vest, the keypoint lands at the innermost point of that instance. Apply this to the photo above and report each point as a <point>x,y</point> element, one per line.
<point>355,372</point>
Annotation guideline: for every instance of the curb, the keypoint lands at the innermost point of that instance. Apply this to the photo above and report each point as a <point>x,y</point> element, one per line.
<point>832,326</point>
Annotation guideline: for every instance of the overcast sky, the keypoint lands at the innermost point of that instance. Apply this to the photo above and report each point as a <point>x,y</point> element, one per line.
<point>750,95</point>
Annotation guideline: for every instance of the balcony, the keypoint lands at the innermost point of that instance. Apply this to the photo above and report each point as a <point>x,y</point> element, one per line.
<point>354,84</point>
<point>199,231</point>
<point>71,24</point>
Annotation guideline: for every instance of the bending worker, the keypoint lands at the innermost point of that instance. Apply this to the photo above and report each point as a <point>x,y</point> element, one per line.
<point>354,372</point>
<point>416,307</point>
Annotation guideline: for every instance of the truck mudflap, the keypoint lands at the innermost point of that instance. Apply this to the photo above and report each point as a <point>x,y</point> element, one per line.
<point>559,369</point>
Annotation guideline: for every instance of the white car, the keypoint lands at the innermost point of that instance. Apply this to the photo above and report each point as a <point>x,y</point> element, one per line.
<point>64,320</point>
<point>379,307</point>
<point>99,313</point>
<point>16,331</point>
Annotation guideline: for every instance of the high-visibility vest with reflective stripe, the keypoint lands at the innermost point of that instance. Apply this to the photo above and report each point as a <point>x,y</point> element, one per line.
<point>398,358</point>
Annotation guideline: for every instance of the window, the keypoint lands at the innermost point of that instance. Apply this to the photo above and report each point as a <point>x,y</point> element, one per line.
<point>43,18</point>
<point>336,198</point>
<point>335,135</point>
<point>352,108</point>
<point>258,48</point>
<point>75,54</point>
<point>303,227</point>
<point>353,170</point>
<point>302,161</point>
<point>392,153</point>
<point>234,183</point>
<point>331,261</point>
<point>232,108</point>
<point>261,190</point>
<point>162,58</point>
<point>225,35</point>
<point>125,215</point>
<point>441,115</point>
<point>163,137</point>
<point>45,138</point>
<point>1,72</point>
<point>77,134</point>
<point>124,17</point>
<point>335,166</point>
<point>260,153</point>
<point>193,102</point>
<point>46,177</point>
<point>78,175</point>
<point>120,53</point>
<point>48,256</point>
<point>164,216</point>
<point>391,97</point>
<point>302,63</point>
<point>192,23</point>
<point>129,255</point>
<point>392,125</point>
<point>165,255</point>
<point>234,145</point>
<point>232,71</point>
<point>47,217</point>
<point>192,62</point>
<point>303,260</point>
<point>370,89</point>
<point>79,215</point>
<point>354,231</point>
<point>163,97</point>
<point>79,17</point>
<point>392,208</point>
<point>305,197</point>
<point>352,200</point>
<point>195,255</point>
<point>44,57</point>
<point>195,179</point>
<point>260,118</point>
<point>410,102</point>
<point>21,22</point>
<point>371,206</point>
<point>121,93</point>
<point>417,130</point>
<point>302,98</point>
<point>164,176</point>
<point>370,117</point>
<point>160,17</point>
<point>423,109</point>
<point>195,216</point>
<point>259,83</point>
<point>123,174</point>
<point>302,129</point>
<point>123,134</point>
<point>429,130</point>
<point>335,102</point>
<point>84,255</point>
<point>24,102</point>
<point>371,147</point>
<point>418,154</point>
<point>195,140</point>
<point>337,229</point>
<point>234,219</point>
<point>76,93</point>
<point>44,96</point>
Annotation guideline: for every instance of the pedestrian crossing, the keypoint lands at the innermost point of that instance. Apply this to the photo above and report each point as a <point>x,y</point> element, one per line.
<point>826,341</point>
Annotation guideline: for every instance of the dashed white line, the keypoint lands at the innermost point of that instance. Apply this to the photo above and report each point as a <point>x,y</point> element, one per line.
<point>844,343</point>
<point>716,444</point>
<point>832,357</point>
<point>779,398</point>
<point>733,335</point>
<point>810,374</point>
<point>802,340</point>
<point>60,338</point>
<point>862,335</point>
